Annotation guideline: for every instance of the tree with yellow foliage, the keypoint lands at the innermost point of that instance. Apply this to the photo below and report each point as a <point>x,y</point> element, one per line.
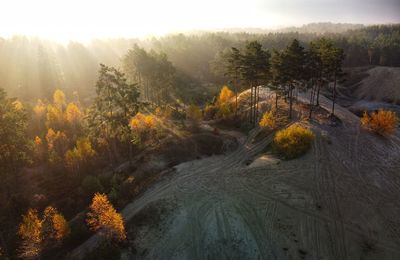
<point>39,108</point>
<point>142,123</point>
<point>81,153</point>
<point>37,234</point>
<point>39,112</point>
<point>38,150</point>
<point>59,99</point>
<point>57,144</point>
<point>268,120</point>
<point>18,105</point>
<point>224,103</point>
<point>226,95</point>
<point>73,114</point>
<point>54,117</point>
<point>54,227</point>
<point>102,217</point>
<point>381,122</point>
<point>30,232</point>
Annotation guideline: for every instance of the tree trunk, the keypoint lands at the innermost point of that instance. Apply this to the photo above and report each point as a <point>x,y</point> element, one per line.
<point>312,99</point>
<point>130,155</point>
<point>236,98</point>
<point>236,102</point>
<point>258,99</point>
<point>318,89</point>
<point>290,101</point>
<point>251,103</point>
<point>334,95</point>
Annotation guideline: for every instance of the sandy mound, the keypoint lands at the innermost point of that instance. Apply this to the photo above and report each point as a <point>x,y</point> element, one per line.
<point>264,160</point>
<point>381,84</point>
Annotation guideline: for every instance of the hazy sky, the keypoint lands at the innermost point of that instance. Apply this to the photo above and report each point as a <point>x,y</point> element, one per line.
<point>84,19</point>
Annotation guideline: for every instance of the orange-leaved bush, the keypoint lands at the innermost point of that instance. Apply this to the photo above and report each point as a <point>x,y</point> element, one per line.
<point>381,122</point>
<point>293,141</point>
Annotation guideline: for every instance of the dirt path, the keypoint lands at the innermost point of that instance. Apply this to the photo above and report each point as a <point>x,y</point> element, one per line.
<point>339,201</point>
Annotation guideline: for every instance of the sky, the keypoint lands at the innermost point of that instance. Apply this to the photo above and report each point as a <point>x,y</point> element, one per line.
<point>64,20</point>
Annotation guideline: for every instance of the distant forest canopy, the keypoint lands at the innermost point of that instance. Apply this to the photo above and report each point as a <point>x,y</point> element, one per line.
<point>32,68</point>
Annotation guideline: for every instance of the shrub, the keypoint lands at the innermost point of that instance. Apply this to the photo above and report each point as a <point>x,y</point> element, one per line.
<point>226,110</point>
<point>381,122</point>
<point>268,120</point>
<point>293,141</point>
<point>210,111</point>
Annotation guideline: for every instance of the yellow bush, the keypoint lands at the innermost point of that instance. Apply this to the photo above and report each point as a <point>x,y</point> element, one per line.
<point>381,122</point>
<point>293,141</point>
<point>268,120</point>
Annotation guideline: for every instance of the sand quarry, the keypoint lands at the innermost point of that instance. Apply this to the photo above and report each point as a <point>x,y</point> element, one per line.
<point>339,201</point>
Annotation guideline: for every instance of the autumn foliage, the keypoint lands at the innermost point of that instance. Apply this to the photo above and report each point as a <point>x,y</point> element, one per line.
<point>81,153</point>
<point>225,105</point>
<point>104,218</point>
<point>37,234</point>
<point>268,120</point>
<point>54,226</point>
<point>293,141</point>
<point>381,122</point>
<point>30,232</point>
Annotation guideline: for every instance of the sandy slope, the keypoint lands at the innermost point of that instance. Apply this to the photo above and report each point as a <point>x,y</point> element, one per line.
<point>382,84</point>
<point>340,201</point>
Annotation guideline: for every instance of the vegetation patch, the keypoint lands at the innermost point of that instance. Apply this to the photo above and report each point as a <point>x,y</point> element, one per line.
<point>293,141</point>
<point>381,122</point>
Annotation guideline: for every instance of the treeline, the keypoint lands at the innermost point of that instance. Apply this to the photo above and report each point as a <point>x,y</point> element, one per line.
<point>293,68</point>
<point>33,68</point>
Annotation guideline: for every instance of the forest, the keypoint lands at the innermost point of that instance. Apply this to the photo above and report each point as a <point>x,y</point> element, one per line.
<point>76,119</point>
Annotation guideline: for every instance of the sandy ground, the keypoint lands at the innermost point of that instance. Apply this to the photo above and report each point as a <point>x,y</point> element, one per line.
<point>339,201</point>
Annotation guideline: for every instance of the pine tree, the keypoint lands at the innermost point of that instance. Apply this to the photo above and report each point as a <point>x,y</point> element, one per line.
<point>254,71</point>
<point>116,103</point>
